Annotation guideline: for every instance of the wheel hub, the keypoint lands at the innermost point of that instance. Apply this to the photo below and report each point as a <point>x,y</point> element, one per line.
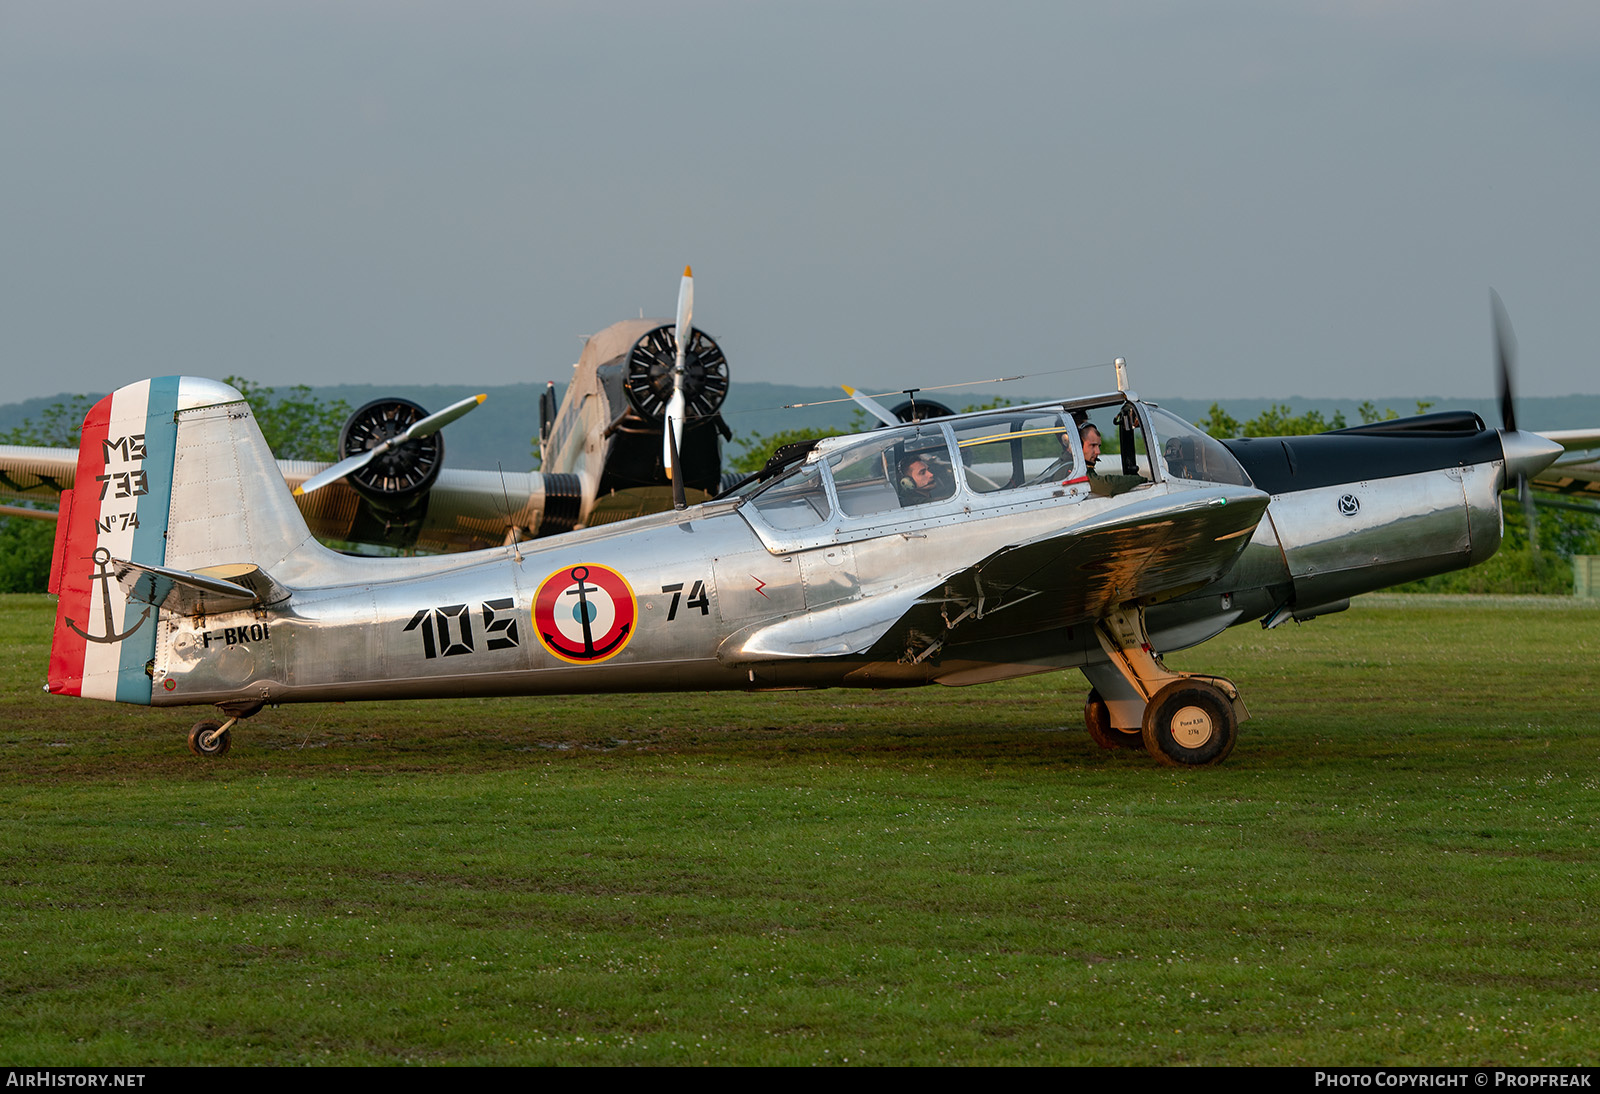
<point>1191,727</point>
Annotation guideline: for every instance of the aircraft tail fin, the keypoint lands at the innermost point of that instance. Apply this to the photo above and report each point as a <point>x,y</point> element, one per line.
<point>173,473</point>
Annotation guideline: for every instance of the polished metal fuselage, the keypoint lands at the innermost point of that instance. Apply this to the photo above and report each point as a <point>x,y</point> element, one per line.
<point>348,639</point>
<point>721,600</point>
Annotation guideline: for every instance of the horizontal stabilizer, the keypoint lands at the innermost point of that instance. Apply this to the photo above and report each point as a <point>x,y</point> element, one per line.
<point>210,591</point>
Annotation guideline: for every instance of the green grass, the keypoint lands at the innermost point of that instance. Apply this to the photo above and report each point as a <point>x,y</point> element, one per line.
<point>1398,865</point>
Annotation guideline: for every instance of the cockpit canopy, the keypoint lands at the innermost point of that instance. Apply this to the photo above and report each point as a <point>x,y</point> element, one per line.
<point>998,457</point>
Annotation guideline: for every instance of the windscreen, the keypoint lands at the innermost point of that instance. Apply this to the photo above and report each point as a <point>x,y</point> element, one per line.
<point>797,500</point>
<point>1189,454</point>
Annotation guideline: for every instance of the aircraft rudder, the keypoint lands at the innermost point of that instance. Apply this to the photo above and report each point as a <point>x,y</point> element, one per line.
<point>117,511</point>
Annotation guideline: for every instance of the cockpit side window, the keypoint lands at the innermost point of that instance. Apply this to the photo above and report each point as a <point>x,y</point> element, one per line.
<point>899,469</point>
<point>1115,448</point>
<point>1008,451</point>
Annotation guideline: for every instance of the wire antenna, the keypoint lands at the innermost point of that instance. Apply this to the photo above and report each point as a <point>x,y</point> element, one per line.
<point>511,525</point>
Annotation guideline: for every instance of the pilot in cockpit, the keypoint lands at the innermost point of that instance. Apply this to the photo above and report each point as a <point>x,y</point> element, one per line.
<point>920,481</point>
<point>1103,485</point>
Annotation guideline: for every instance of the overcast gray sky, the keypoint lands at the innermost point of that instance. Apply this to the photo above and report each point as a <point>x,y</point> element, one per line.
<point>1241,198</point>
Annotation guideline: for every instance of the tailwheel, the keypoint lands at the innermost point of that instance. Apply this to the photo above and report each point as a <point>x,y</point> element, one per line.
<point>1190,723</point>
<point>210,739</point>
<point>1097,717</point>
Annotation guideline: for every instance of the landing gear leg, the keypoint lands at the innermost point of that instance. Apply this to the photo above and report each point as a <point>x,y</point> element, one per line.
<point>210,739</point>
<point>1182,719</point>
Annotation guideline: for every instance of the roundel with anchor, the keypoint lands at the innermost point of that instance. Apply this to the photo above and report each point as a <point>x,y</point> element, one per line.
<point>585,614</point>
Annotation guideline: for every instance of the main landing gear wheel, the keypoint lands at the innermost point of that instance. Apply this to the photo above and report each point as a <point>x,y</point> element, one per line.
<point>1097,717</point>
<point>1190,723</point>
<point>209,739</point>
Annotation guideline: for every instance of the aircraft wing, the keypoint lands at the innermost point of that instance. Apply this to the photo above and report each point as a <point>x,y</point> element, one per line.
<point>1577,473</point>
<point>467,509</point>
<point>1146,550</point>
<point>1573,440</point>
<point>32,474</point>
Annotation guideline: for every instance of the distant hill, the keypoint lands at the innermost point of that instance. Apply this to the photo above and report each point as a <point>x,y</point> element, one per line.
<point>503,429</point>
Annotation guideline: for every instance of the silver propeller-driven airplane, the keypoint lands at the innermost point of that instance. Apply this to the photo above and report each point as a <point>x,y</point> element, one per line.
<point>958,550</point>
<point>604,452</point>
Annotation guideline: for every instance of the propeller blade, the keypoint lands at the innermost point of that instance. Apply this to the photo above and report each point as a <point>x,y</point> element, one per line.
<point>427,427</point>
<point>423,427</point>
<point>672,431</point>
<point>1526,453</point>
<point>1505,359</point>
<point>685,328</point>
<point>872,406</point>
<point>678,499</point>
<point>338,471</point>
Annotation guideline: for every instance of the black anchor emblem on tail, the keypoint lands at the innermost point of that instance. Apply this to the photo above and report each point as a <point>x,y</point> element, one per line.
<point>102,559</point>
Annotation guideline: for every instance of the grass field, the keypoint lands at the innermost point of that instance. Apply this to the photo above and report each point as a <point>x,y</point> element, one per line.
<point>1399,864</point>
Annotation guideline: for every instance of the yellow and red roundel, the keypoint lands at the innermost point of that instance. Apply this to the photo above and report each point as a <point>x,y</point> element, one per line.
<point>585,614</point>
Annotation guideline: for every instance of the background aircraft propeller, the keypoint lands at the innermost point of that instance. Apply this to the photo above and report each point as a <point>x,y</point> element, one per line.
<point>912,410</point>
<point>424,427</point>
<point>871,405</point>
<point>681,333</point>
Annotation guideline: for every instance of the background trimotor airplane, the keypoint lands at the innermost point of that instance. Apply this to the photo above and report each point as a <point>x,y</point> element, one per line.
<point>957,550</point>
<point>604,452</point>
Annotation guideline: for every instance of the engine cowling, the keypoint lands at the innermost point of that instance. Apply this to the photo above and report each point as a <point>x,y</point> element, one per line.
<point>649,381</point>
<point>396,482</point>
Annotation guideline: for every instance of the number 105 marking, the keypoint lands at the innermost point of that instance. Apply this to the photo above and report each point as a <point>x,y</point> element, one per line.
<point>499,625</point>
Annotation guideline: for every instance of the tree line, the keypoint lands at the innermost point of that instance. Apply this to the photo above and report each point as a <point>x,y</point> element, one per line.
<point>300,426</point>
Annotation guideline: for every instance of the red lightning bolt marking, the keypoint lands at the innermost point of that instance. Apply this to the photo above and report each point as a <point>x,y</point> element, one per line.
<point>760,585</point>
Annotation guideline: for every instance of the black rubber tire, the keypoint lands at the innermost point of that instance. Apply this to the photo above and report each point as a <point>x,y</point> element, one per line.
<point>1190,723</point>
<point>218,744</point>
<point>1097,719</point>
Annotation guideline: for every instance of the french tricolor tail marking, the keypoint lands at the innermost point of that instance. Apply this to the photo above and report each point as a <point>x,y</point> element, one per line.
<point>117,511</point>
